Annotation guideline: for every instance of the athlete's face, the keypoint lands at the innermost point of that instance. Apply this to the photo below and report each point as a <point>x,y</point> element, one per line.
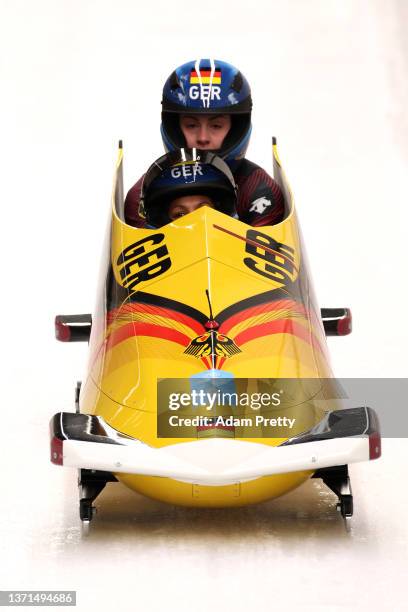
<point>205,131</point>
<point>187,204</point>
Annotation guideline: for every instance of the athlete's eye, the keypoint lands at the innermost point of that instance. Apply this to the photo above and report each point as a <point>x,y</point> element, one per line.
<point>177,214</point>
<point>189,124</point>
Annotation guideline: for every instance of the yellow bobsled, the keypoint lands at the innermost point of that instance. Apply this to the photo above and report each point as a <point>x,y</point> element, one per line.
<point>199,307</point>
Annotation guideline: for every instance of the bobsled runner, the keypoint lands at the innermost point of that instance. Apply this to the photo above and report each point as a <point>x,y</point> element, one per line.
<point>207,300</point>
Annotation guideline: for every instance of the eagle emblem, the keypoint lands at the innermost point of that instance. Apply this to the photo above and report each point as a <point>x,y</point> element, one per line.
<point>212,343</point>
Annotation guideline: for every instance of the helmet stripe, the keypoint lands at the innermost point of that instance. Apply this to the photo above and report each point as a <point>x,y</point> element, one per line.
<point>205,81</point>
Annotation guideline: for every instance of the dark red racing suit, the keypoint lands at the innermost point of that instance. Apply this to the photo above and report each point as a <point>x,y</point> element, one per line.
<point>260,199</point>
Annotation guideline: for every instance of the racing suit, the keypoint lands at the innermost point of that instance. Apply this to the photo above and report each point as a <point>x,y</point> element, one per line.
<point>260,199</point>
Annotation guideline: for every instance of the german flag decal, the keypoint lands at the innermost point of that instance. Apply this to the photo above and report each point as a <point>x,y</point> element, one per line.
<point>204,76</point>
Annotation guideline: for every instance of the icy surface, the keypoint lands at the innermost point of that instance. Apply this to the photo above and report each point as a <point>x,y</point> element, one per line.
<point>329,79</point>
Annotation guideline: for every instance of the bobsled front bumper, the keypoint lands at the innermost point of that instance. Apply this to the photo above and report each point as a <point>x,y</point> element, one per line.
<point>342,437</point>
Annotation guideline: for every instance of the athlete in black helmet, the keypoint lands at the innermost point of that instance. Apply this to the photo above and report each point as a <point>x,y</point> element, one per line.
<point>207,104</point>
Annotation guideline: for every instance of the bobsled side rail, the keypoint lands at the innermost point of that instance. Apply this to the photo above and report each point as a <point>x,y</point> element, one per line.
<point>336,321</point>
<point>73,328</point>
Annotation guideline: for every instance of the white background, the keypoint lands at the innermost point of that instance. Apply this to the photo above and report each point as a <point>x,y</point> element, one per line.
<point>329,79</point>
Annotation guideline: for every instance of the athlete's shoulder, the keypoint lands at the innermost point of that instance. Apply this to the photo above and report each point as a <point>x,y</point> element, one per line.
<point>245,168</point>
<point>134,192</point>
<point>132,200</point>
<point>260,199</point>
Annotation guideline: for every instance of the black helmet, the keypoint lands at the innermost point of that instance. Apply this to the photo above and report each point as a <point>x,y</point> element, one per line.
<point>186,172</point>
<point>207,86</point>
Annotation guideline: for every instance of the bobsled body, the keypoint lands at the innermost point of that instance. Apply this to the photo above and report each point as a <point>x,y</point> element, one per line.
<point>204,296</point>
